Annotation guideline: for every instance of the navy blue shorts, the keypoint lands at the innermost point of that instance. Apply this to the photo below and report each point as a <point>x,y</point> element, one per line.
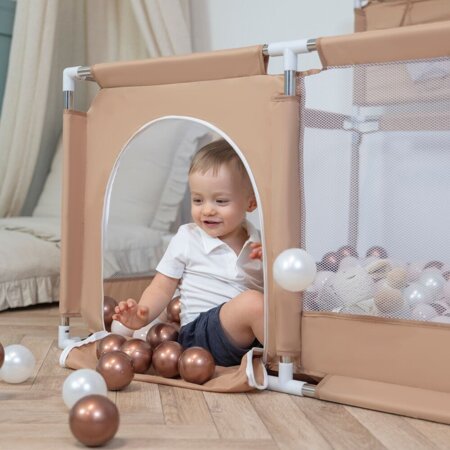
<point>206,331</point>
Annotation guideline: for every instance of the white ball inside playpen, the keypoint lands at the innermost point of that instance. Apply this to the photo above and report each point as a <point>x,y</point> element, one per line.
<point>433,280</point>
<point>119,328</point>
<point>81,383</point>
<point>417,293</point>
<point>18,364</point>
<point>294,269</point>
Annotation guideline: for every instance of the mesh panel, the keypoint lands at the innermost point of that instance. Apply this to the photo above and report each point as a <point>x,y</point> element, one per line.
<point>376,174</point>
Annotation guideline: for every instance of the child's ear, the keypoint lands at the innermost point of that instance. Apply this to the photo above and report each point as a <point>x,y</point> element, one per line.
<point>251,204</point>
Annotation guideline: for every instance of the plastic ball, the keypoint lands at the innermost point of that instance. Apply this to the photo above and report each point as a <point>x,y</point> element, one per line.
<point>330,261</point>
<point>18,364</point>
<point>142,332</point>
<point>433,280</point>
<point>416,293</point>
<point>161,332</point>
<point>140,353</point>
<point>2,355</point>
<point>110,343</point>
<point>294,269</point>
<point>173,310</point>
<point>108,310</point>
<point>346,250</point>
<point>119,328</point>
<point>424,312</point>
<point>165,359</point>
<point>94,420</point>
<point>81,383</point>
<point>377,251</point>
<point>348,262</point>
<point>196,365</point>
<point>117,370</point>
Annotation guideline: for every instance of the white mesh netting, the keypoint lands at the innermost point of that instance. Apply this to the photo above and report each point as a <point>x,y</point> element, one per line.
<point>376,175</point>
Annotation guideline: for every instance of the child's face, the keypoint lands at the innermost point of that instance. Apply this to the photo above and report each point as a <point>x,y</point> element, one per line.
<point>219,202</point>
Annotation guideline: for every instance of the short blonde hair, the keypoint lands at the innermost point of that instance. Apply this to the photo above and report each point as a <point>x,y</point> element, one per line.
<point>214,155</point>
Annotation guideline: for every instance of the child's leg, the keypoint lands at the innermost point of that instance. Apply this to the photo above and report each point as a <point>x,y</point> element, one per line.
<point>242,318</point>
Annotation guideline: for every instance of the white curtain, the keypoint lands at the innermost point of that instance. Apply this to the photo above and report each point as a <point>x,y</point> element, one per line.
<point>49,35</point>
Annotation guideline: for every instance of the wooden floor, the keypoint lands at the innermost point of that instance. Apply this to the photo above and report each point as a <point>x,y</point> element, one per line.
<point>33,415</point>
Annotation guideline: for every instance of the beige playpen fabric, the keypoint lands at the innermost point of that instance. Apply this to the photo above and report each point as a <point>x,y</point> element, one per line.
<point>249,108</point>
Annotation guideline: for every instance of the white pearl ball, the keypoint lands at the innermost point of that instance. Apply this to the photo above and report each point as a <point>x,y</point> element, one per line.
<point>349,262</point>
<point>416,293</point>
<point>424,312</point>
<point>321,278</point>
<point>18,364</point>
<point>119,328</point>
<point>81,383</point>
<point>294,269</point>
<point>432,279</point>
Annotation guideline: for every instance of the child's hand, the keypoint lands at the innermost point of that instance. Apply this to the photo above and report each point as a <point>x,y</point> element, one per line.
<point>256,252</point>
<point>131,314</point>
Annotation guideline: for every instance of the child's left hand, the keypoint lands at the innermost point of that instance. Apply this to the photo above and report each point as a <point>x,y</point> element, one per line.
<point>256,252</point>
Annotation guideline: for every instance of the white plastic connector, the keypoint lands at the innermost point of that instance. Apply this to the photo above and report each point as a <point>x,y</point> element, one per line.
<point>63,336</point>
<point>278,48</point>
<point>284,382</point>
<point>289,59</point>
<point>70,74</point>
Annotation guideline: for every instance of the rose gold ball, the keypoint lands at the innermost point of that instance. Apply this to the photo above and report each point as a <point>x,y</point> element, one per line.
<point>173,310</point>
<point>161,332</point>
<point>346,250</point>
<point>436,264</point>
<point>2,355</point>
<point>330,261</point>
<point>377,251</point>
<point>110,343</point>
<point>94,420</point>
<point>117,370</point>
<point>165,358</point>
<point>196,365</point>
<point>140,353</point>
<point>108,310</point>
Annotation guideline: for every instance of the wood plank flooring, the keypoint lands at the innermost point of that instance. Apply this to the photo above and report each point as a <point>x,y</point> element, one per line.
<point>33,415</point>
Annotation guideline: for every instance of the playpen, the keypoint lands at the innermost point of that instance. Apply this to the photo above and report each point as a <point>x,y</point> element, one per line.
<point>362,186</point>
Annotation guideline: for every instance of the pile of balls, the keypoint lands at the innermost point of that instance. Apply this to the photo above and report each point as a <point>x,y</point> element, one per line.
<point>93,418</point>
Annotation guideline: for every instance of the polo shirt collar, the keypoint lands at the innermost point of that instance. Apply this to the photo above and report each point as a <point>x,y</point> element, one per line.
<point>210,243</point>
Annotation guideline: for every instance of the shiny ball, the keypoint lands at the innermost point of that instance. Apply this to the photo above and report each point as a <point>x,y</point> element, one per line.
<point>2,355</point>
<point>161,332</point>
<point>81,383</point>
<point>110,343</point>
<point>94,420</point>
<point>346,250</point>
<point>348,262</point>
<point>433,280</point>
<point>294,269</point>
<point>141,333</point>
<point>423,311</point>
<point>140,353</point>
<point>18,364</point>
<point>108,310</point>
<point>165,358</point>
<point>416,293</point>
<point>330,261</point>
<point>173,310</point>
<point>377,251</point>
<point>388,299</point>
<point>117,370</point>
<point>196,365</point>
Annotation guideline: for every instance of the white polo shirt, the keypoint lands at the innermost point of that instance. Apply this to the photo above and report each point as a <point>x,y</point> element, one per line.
<point>210,272</point>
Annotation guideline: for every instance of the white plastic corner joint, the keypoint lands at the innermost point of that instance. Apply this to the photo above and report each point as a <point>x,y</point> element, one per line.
<point>289,50</point>
<point>70,74</point>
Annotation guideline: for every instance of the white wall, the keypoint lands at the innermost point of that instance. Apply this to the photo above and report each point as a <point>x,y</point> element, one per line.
<point>221,24</point>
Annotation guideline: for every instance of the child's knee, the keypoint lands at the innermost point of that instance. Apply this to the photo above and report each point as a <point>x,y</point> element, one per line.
<point>254,301</point>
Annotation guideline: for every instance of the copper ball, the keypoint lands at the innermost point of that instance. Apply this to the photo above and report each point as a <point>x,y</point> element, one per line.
<point>377,251</point>
<point>437,264</point>
<point>330,261</point>
<point>2,355</point>
<point>108,310</point>
<point>346,250</point>
<point>196,365</point>
<point>94,420</point>
<point>161,332</point>
<point>117,370</point>
<point>165,358</point>
<point>173,310</point>
<point>111,343</point>
<point>140,353</point>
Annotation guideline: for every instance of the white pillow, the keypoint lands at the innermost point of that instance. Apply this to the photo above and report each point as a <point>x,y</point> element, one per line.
<point>151,178</point>
<point>49,203</point>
